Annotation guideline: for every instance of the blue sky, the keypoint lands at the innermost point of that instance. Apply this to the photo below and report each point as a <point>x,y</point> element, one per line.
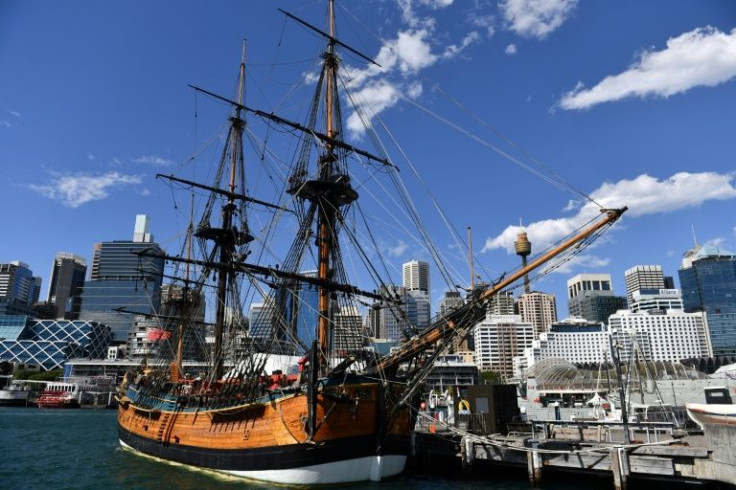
<point>630,102</point>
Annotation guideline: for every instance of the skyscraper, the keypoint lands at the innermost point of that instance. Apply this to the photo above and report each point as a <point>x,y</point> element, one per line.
<point>65,284</point>
<point>19,289</point>
<point>17,282</point>
<point>416,276</point>
<point>539,309</point>
<point>416,282</point>
<point>708,280</point>
<point>591,296</point>
<point>125,275</point>
<point>643,277</point>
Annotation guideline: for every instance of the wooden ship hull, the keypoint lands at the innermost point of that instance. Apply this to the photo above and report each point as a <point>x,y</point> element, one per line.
<point>357,437</point>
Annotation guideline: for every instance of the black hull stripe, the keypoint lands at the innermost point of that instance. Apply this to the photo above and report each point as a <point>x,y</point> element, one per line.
<point>272,458</point>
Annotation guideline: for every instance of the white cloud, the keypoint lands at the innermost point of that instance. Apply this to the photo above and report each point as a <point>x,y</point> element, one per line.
<point>701,57</point>
<point>90,155</point>
<point>76,190</point>
<point>374,98</point>
<point>582,261</point>
<point>717,242</point>
<point>644,195</point>
<point>413,51</point>
<point>436,4</point>
<point>412,19</point>
<point>401,59</point>
<point>15,113</point>
<point>377,88</point>
<point>510,49</point>
<point>487,22</point>
<point>151,160</point>
<point>398,249</point>
<point>453,49</point>
<point>536,18</point>
<point>572,204</point>
<point>5,123</point>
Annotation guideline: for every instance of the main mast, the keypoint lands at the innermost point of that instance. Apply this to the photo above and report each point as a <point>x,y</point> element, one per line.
<point>326,219</point>
<point>329,191</point>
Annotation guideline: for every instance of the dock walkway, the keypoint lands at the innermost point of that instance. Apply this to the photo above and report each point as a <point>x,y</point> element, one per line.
<point>656,451</point>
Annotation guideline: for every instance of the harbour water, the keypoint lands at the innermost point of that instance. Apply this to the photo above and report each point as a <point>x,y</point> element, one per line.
<point>78,450</point>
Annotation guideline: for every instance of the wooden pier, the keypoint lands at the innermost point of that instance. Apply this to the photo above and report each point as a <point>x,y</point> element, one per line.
<point>656,452</point>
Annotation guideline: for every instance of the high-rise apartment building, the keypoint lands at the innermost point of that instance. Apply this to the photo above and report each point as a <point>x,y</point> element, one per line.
<point>576,340</point>
<point>65,285</point>
<point>708,281</point>
<point>642,277</point>
<point>502,303</point>
<point>415,276</point>
<point>673,336</point>
<point>539,309</point>
<point>591,296</point>
<point>125,279</point>
<point>498,339</point>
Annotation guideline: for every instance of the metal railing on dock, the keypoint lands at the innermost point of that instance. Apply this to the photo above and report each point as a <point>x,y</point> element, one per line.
<point>602,431</point>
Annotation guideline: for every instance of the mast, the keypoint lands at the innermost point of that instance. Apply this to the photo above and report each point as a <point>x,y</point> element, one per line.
<point>326,217</point>
<point>186,301</point>
<point>228,236</point>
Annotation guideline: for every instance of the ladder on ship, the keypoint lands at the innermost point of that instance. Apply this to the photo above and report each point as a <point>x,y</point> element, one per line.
<point>164,427</point>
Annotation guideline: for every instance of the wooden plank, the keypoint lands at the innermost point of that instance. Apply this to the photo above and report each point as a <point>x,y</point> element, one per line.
<point>673,451</point>
<point>600,462</point>
<point>651,465</point>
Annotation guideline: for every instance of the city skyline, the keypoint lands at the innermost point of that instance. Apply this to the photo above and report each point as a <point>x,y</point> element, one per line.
<point>121,111</point>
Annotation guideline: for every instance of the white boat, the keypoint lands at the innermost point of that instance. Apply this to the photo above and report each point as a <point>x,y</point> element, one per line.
<point>17,392</point>
<point>720,414</point>
<point>717,409</point>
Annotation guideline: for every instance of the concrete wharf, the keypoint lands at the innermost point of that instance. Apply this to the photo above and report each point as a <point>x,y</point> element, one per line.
<point>657,452</point>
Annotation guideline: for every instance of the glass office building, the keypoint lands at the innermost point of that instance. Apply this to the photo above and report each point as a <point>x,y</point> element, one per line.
<point>125,280</point>
<point>708,282</point>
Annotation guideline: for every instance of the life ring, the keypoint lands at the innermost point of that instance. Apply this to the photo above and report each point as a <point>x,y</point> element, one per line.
<point>463,407</point>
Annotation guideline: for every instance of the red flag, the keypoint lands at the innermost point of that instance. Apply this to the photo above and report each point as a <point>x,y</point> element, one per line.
<point>154,334</point>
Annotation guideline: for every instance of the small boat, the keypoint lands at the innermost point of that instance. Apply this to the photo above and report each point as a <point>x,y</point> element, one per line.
<point>59,395</point>
<point>718,408</point>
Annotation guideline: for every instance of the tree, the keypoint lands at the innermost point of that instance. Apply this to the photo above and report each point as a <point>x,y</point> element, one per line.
<point>490,377</point>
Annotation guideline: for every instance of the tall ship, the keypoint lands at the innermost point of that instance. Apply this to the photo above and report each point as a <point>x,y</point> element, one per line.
<point>298,396</point>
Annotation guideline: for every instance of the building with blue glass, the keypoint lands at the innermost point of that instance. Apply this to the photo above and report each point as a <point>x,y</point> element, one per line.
<point>125,279</point>
<point>50,343</point>
<point>708,282</point>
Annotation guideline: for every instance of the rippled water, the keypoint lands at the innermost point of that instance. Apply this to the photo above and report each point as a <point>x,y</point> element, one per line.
<point>78,449</point>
